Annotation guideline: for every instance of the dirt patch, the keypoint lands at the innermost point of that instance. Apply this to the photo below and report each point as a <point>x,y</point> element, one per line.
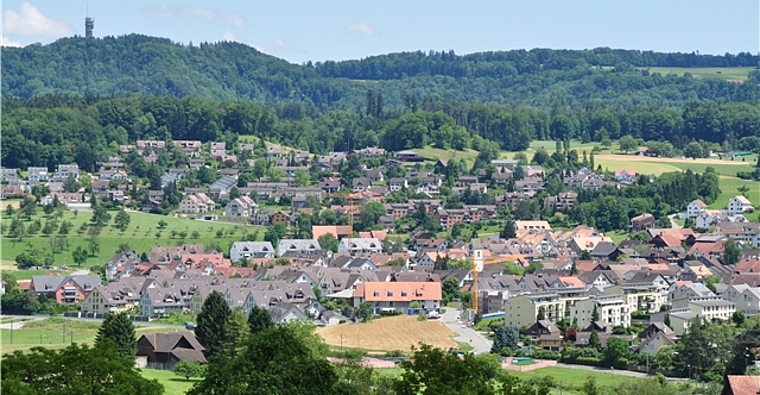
<point>389,334</point>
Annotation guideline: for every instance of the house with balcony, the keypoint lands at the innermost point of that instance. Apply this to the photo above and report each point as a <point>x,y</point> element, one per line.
<point>64,289</point>
<point>398,296</point>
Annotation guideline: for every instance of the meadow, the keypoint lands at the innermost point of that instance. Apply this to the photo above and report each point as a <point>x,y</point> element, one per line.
<point>173,384</point>
<point>142,234</point>
<point>724,73</point>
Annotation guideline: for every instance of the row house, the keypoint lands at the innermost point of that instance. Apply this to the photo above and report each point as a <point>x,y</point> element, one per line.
<point>398,296</point>
<point>251,249</point>
<point>355,246</point>
<point>64,289</point>
<point>562,202</point>
<point>116,297</point>
<point>742,232</point>
<point>530,185</point>
<point>9,175</point>
<point>191,148</point>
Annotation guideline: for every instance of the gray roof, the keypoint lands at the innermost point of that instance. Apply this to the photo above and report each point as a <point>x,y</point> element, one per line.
<point>43,284</point>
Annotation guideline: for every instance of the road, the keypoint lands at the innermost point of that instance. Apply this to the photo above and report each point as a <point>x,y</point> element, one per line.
<point>97,320</point>
<point>466,334</point>
<point>673,223</point>
<point>617,372</point>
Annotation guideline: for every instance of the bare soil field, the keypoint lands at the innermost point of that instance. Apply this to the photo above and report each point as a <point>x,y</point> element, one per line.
<point>389,334</point>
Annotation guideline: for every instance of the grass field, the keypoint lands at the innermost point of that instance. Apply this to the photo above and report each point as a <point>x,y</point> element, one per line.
<point>724,73</point>
<point>391,333</point>
<point>27,274</point>
<point>141,235</point>
<point>49,333</point>
<point>572,379</point>
<point>436,153</point>
<point>173,384</point>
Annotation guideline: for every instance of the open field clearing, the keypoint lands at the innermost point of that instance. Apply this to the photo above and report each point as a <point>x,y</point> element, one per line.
<point>572,380</point>
<point>48,333</point>
<point>450,154</point>
<point>388,334</point>
<point>142,234</point>
<point>724,73</point>
<point>9,266</point>
<point>173,384</point>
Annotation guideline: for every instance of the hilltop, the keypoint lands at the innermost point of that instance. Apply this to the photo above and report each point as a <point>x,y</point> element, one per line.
<point>226,70</point>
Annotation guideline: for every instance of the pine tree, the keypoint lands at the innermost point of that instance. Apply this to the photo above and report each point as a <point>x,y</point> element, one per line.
<point>212,320</point>
<point>235,332</point>
<point>593,340</point>
<point>119,329</point>
<point>259,319</point>
<point>595,315</point>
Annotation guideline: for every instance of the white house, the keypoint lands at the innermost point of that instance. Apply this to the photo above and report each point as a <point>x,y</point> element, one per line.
<point>746,298</point>
<point>360,245</point>
<point>695,208</point>
<point>243,206</point>
<point>251,249</point>
<point>739,204</point>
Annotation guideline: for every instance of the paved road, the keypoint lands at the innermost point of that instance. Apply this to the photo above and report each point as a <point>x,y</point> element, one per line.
<point>466,334</point>
<point>618,372</point>
<point>673,223</point>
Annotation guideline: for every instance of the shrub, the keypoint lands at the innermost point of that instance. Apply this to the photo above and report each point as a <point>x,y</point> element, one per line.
<point>591,361</point>
<point>545,381</point>
<point>546,354</point>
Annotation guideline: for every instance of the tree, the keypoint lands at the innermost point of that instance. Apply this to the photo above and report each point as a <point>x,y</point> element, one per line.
<point>328,242</point>
<point>235,332</point>
<point>364,311</point>
<point>27,260</point>
<point>121,222</point>
<point>212,320</point>
<point>590,387</point>
<point>616,353</point>
<point>119,329</point>
<point>541,314</point>
<point>370,215</point>
<point>703,346</point>
<point>694,150</point>
<point>731,252</point>
<point>9,211</point>
<point>80,256</point>
<point>189,369</point>
<point>743,190</point>
<point>93,246</point>
<point>594,342</point>
<point>738,318</point>
<point>76,369</point>
<point>302,179</point>
<point>259,319</point>
<point>504,338</point>
<point>508,231</point>
<point>234,193</point>
<point>595,314</point>
<point>162,224</point>
<point>628,143</point>
<point>276,361</point>
<point>100,216</point>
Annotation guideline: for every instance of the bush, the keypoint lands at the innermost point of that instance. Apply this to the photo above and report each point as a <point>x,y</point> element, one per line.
<point>545,381</point>
<point>389,313</point>
<point>395,354</point>
<point>350,354</point>
<point>590,361</point>
<point>546,354</point>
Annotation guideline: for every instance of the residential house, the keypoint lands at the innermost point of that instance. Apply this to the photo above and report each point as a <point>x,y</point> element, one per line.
<point>612,309</point>
<point>564,201</point>
<point>360,246</point>
<point>532,225</point>
<point>64,289</point>
<point>742,232</point>
<point>546,335</point>
<point>360,184</point>
<point>625,176</point>
<point>165,350</point>
<point>695,208</point>
<point>739,205</point>
<point>530,185</point>
<point>744,297</point>
<point>196,203</point>
<point>397,184</point>
<point>190,147</point>
<point>408,156</point>
<point>242,207</point>
<point>36,175</point>
<point>642,222</point>
<point>398,296</point>
<point>338,231</point>
<point>301,246</point>
<point>9,175</point>
<point>64,171</point>
<point>251,249</point>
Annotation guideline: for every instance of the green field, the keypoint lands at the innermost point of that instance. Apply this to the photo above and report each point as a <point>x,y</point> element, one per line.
<point>436,153</point>
<point>728,188</point>
<point>573,379</point>
<point>49,333</point>
<point>140,236</point>
<point>724,73</point>
<point>173,384</point>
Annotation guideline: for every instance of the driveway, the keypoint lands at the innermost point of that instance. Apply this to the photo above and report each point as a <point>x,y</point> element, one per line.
<point>673,223</point>
<point>466,334</point>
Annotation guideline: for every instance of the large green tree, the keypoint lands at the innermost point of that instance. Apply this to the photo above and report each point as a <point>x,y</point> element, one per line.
<point>259,319</point>
<point>75,370</point>
<point>211,326</point>
<point>119,329</point>
<point>276,361</point>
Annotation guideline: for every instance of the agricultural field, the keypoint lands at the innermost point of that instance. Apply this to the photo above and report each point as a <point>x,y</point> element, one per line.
<point>173,384</point>
<point>9,266</point>
<point>142,234</point>
<point>724,73</point>
<point>49,333</point>
<point>390,333</point>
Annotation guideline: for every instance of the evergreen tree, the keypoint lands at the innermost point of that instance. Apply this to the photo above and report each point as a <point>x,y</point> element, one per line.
<point>235,332</point>
<point>119,329</point>
<point>212,321</point>
<point>541,314</point>
<point>593,340</point>
<point>259,319</point>
<point>508,231</point>
<point>595,315</point>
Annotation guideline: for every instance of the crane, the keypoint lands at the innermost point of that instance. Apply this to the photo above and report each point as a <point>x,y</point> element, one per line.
<point>476,255</point>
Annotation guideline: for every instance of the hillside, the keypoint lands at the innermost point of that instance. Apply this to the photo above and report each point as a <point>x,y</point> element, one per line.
<point>156,66</point>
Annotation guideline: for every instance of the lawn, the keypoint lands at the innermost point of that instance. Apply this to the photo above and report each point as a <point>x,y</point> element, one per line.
<point>436,153</point>
<point>142,234</point>
<point>27,274</point>
<point>574,378</point>
<point>728,188</point>
<point>724,73</point>
<point>173,384</point>
<point>49,333</point>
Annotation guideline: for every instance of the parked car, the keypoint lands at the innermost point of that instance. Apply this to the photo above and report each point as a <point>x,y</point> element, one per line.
<point>189,325</point>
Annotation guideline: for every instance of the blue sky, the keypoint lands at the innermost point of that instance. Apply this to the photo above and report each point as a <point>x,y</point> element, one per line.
<point>321,30</point>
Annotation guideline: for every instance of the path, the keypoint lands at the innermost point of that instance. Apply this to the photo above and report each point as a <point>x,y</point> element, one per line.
<point>628,373</point>
<point>673,223</point>
<point>466,334</point>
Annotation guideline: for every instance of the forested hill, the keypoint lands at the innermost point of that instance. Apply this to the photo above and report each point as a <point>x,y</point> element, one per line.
<point>540,77</point>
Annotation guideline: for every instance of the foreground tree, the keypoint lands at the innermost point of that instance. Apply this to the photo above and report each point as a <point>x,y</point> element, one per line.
<point>119,329</point>
<point>75,370</point>
<point>259,320</point>
<point>188,369</point>
<point>235,332</point>
<point>276,361</point>
<point>212,321</point>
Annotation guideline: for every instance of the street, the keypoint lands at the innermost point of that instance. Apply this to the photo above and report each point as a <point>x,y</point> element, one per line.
<point>466,334</point>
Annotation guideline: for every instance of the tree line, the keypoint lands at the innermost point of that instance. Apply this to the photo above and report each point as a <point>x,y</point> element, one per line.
<point>138,64</point>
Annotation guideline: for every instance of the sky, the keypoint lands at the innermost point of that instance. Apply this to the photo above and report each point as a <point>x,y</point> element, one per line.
<point>319,30</point>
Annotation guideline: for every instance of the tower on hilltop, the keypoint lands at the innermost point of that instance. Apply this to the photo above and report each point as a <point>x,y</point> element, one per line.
<point>89,24</point>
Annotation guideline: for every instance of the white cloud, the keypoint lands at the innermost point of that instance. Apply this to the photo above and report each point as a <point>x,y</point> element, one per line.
<point>209,14</point>
<point>277,45</point>
<point>362,28</point>
<point>7,42</point>
<point>228,36</point>
<point>29,21</point>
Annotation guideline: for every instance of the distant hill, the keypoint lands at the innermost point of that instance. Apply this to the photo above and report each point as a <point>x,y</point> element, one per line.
<point>156,66</point>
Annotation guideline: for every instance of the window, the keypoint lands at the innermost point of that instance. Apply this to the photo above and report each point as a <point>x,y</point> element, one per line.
<point>377,293</point>
<point>390,293</point>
